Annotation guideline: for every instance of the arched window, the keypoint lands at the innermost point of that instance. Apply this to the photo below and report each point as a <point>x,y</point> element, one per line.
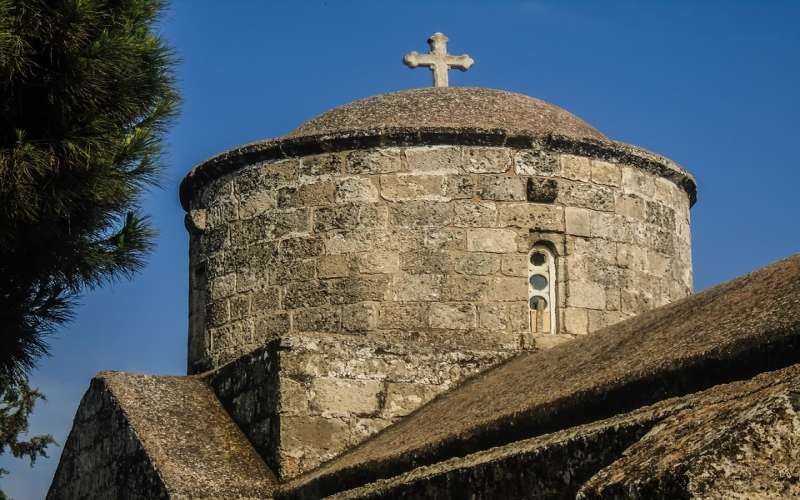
<point>542,289</point>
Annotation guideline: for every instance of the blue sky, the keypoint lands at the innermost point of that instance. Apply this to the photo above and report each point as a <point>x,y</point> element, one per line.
<point>712,85</point>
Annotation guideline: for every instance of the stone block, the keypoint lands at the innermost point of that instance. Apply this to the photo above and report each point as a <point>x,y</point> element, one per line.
<point>470,213</point>
<point>333,266</point>
<point>322,164</point>
<point>312,194</point>
<point>610,226</point>
<point>306,294</point>
<point>487,160</point>
<point>223,286</point>
<point>576,168</point>
<point>457,187</point>
<point>660,215</point>
<point>378,161</point>
<point>293,397</point>
<point>606,173</point>
<point>465,287</point>
<point>440,159</point>
<point>586,294</point>
<point>528,162</point>
<point>446,239</point>
<point>359,288</point>
<point>299,248</point>
<point>285,270</point>
<point>493,317</point>
<point>270,326</point>
<point>455,316</point>
<point>307,440</point>
<point>217,312</point>
<point>476,263</point>
<point>349,242</point>
<point>343,397</point>
<point>424,262</point>
<point>501,188</point>
<point>503,289</point>
<point>266,177</point>
<point>491,240</point>
<point>378,262</point>
<point>360,317</point>
<point>575,321</point>
<point>412,187</point>
<point>531,216</point>
<point>266,299</point>
<point>402,316</point>
<point>416,287</point>
<point>584,195</point>
<point>403,398</point>
<point>420,214</point>
<point>539,190</point>
<point>577,221</point>
<point>514,265</point>
<point>635,181</point>
<point>257,203</point>
<point>355,190</point>
<point>317,319</point>
<point>630,205</point>
<point>239,306</point>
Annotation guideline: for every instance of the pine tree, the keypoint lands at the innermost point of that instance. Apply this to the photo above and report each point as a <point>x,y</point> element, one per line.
<point>86,91</point>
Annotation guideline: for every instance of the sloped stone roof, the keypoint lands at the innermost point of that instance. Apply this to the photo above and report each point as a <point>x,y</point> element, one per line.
<point>688,445</point>
<point>187,445</point>
<point>732,331</point>
<point>449,108</point>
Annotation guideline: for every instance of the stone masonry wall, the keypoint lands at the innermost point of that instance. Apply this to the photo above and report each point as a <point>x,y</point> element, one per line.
<point>103,457</point>
<point>428,245</point>
<point>386,276</point>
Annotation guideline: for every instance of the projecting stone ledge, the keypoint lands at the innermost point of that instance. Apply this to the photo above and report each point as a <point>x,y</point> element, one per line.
<point>143,436</point>
<point>740,440</point>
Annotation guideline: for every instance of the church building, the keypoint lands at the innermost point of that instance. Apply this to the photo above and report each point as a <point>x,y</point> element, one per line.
<point>452,292</point>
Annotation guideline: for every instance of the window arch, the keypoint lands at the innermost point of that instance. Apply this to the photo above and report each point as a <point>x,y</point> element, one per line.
<point>542,289</point>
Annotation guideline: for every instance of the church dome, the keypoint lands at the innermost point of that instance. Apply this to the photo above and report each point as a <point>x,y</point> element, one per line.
<point>464,108</point>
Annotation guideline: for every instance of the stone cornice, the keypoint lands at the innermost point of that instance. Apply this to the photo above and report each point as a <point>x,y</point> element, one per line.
<point>293,147</point>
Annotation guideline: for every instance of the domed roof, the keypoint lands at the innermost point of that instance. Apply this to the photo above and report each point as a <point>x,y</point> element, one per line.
<point>449,108</point>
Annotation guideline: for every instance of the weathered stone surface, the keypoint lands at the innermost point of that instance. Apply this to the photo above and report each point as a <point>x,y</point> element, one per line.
<point>411,217</point>
<point>491,240</point>
<point>627,366</point>
<point>342,397</point>
<point>455,316</point>
<point>138,436</point>
<point>636,455</point>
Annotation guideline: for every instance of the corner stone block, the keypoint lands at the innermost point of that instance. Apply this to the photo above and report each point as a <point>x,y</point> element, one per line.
<point>343,397</point>
<point>491,240</point>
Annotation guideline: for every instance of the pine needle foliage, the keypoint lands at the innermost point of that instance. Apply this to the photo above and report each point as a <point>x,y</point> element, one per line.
<point>86,91</point>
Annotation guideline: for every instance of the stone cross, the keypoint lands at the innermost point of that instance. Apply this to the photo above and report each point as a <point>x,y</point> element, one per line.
<point>438,60</point>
